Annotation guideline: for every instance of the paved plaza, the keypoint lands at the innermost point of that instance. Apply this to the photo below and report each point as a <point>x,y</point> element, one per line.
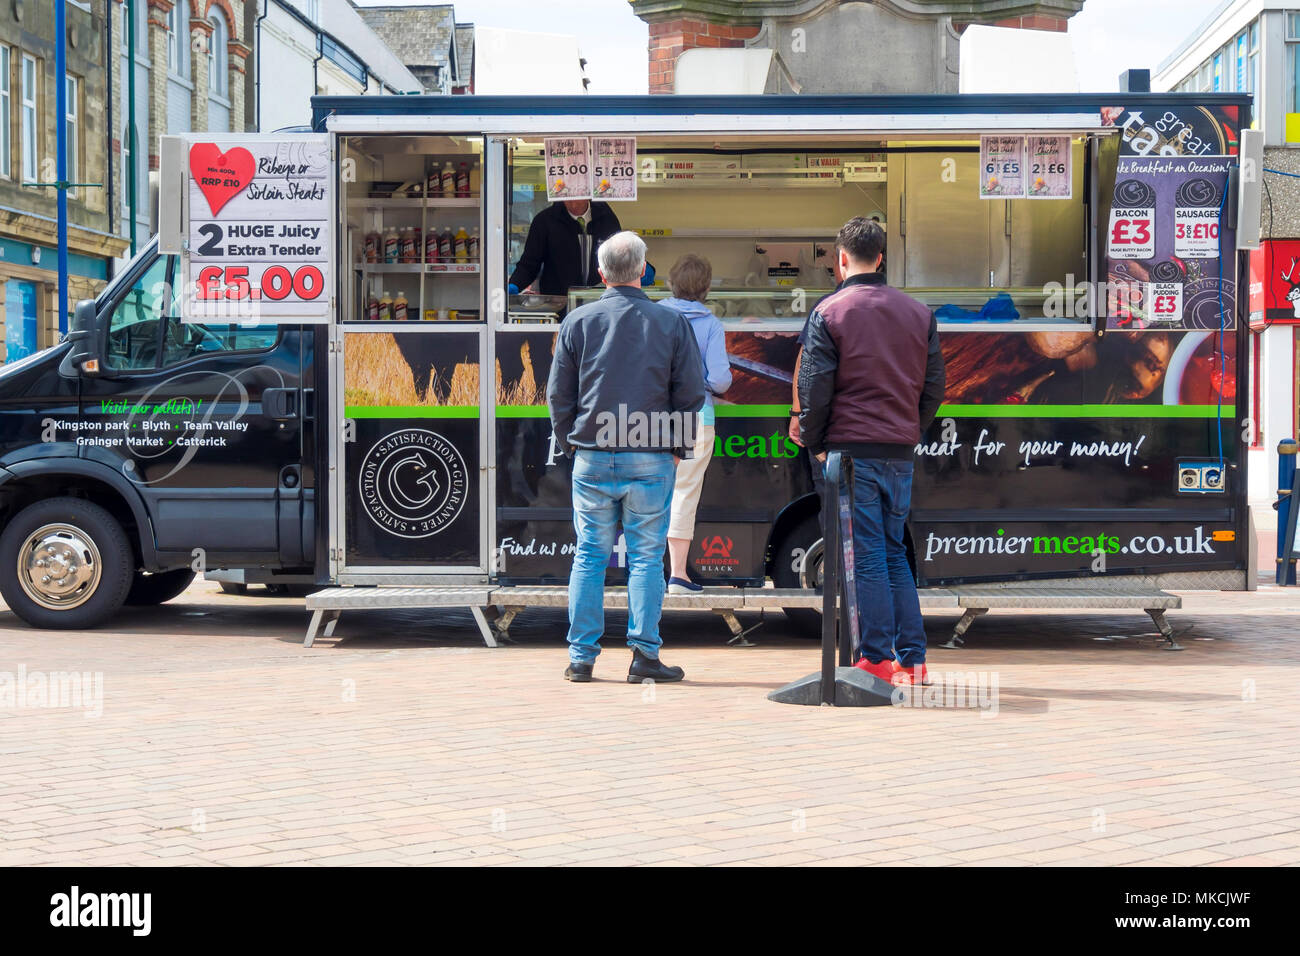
<point>218,739</point>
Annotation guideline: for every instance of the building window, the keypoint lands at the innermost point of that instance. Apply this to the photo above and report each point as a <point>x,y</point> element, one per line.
<point>127,172</point>
<point>29,126</point>
<point>1217,86</point>
<point>1253,72</point>
<point>172,57</point>
<point>4,111</point>
<point>70,120</point>
<point>217,54</point>
<point>178,47</point>
<point>310,9</point>
<point>1243,84</point>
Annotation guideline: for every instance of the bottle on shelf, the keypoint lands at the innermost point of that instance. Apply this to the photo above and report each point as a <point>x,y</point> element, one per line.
<point>472,247</point>
<point>400,307</point>
<point>430,247</point>
<point>448,179</point>
<point>386,308</point>
<point>462,245</point>
<point>446,245</point>
<point>475,178</point>
<point>408,246</point>
<point>372,307</point>
<point>373,241</point>
<point>462,179</point>
<point>392,247</point>
<point>433,183</point>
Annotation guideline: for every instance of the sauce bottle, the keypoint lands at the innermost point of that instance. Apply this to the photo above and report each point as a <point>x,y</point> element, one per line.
<point>448,179</point>
<point>400,308</point>
<point>433,184</point>
<point>372,307</point>
<point>391,245</point>
<point>462,180</point>
<point>430,247</point>
<point>471,248</point>
<point>408,246</point>
<point>461,245</point>
<point>446,246</point>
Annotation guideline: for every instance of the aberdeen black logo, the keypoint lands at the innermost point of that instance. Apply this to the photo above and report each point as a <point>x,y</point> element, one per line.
<point>413,483</point>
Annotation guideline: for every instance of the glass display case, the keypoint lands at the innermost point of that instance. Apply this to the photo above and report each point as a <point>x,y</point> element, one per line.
<point>414,229</point>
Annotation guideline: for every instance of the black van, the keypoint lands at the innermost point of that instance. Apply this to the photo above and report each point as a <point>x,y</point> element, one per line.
<point>141,450</point>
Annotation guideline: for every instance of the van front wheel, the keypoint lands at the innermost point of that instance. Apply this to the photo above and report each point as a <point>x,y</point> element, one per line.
<point>65,563</point>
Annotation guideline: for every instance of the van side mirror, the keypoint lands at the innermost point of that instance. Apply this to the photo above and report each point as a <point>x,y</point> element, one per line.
<point>86,355</point>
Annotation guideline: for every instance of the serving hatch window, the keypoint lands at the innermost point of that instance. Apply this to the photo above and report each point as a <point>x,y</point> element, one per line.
<point>765,211</point>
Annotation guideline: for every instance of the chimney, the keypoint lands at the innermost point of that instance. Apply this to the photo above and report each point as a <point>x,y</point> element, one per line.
<point>1135,81</point>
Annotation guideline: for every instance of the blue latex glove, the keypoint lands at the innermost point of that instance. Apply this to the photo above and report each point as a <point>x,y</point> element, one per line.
<point>649,277</point>
<point>512,289</point>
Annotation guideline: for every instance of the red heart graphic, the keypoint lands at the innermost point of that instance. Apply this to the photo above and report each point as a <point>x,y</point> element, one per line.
<point>221,176</point>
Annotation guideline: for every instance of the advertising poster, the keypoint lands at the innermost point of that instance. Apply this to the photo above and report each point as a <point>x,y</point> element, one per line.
<point>1051,167</point>
<point>1002,159</point>
<point>568,168</point>
<point>260,231</point>
<point>412,467</point>
<point>614,172</point>
<point>1275,283</point>
<point>1163,237</point>
<point>1176,130</point>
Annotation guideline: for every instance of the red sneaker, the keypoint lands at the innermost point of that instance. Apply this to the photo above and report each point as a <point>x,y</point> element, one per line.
<point>884,670</point>
<point>911,675</point>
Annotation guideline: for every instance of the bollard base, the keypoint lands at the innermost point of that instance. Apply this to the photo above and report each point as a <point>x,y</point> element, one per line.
<point>853,688</point>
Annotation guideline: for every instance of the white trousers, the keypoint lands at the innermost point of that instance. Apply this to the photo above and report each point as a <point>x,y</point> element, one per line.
<point>690,482</point>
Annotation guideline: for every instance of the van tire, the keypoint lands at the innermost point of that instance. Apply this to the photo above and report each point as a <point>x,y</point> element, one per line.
<point>78,527</point>
<point>805,535</point>
<point>149,590</point>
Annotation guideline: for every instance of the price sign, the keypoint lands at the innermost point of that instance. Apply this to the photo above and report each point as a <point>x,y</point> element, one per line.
<point>1051,170</point>
<point>614,169</point>
<point>568,168</point>
<point>260,231</point>
<point>1132,234</point>
<point>1164,303</point>
<point>1002,167</point>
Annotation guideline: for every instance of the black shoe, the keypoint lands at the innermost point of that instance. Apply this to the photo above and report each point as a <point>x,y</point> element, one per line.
<point>651,668</point>
<point>578,673</point>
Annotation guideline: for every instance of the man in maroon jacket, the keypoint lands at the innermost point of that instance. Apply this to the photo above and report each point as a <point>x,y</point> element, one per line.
<point>870,382</point>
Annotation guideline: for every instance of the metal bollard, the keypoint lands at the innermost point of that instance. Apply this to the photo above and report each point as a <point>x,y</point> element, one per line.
<point>1288,492</point>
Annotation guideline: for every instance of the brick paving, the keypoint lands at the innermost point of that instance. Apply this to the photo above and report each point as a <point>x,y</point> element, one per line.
<point>223,742</point>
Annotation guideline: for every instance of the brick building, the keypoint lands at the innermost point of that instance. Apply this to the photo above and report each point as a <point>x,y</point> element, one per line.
<point>28,223</point>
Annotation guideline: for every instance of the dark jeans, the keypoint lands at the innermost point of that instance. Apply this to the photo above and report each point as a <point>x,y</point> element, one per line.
<point>889,612</point>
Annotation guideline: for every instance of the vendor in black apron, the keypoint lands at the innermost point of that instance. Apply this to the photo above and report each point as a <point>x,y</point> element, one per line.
<point>560,254</point>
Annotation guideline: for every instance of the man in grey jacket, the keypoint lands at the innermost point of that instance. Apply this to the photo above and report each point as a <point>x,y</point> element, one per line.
<point>625,388</point>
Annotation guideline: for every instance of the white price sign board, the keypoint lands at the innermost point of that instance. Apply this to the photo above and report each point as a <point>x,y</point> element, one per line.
<point>568,168</point>
<point>1051,167</point>
<point>614,171</point>
<point>260,230</point>
<point>1002,167</point>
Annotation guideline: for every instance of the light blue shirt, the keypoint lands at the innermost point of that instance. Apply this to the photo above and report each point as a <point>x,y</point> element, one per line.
<point>712,339</point>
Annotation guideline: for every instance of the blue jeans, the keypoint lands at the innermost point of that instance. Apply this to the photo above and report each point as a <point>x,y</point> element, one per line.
<point>889,613</point>
<point>635,488</point>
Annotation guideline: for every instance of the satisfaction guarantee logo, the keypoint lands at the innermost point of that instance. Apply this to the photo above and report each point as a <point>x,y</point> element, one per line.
<point>413,483</point>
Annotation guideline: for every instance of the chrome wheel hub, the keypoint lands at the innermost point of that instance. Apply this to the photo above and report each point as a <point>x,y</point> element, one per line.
<point>59,567</point>
<point>810,574</point>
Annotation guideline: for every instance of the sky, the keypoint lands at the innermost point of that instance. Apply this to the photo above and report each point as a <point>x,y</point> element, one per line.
<point>1110,36</point>
<point>612,38</point>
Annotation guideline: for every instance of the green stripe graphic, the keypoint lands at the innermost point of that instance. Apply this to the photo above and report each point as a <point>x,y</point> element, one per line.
<point>411,411</point>
<point>783,411</point>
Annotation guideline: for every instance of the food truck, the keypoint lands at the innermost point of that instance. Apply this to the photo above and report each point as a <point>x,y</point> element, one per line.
<point>319,370</point>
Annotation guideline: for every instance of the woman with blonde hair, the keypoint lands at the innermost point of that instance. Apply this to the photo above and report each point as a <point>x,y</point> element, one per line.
<point>689,280</point>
